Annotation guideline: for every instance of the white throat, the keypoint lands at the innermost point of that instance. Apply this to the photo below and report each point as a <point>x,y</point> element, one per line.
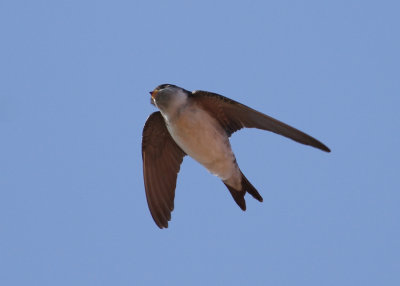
<point>176,102</point>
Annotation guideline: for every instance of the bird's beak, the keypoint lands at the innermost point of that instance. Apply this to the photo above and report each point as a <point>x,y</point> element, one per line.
<point>153,94</point>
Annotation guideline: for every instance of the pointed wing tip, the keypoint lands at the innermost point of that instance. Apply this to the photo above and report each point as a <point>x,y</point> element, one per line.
<point>325,148</point>
<point>160,220</point>
<point>319,145</point>
<point>161,225</point>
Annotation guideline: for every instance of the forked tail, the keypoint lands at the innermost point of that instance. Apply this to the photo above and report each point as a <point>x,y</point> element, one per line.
<point>238,195</point>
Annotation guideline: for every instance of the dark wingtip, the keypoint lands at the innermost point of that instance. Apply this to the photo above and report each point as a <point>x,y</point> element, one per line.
<point>317,144</point>
<point>324,148</point>
<point>162,225</point>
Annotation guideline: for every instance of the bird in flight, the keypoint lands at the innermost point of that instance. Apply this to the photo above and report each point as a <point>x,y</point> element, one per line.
<point>199,124</point>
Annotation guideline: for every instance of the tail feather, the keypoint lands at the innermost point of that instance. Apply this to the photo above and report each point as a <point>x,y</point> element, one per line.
<point>238,195</point>
<point>248,187</point>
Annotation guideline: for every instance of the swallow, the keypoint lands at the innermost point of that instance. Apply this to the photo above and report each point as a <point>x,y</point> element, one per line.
<point>199,124</point>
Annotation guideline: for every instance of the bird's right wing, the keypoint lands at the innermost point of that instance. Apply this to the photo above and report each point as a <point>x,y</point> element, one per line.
<point>233,116</point>
<point>161,163</point>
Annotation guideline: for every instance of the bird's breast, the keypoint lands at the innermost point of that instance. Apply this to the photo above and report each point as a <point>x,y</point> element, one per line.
<point>203,139</point>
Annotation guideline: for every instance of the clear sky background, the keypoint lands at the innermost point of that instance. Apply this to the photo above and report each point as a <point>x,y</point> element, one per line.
<point>75,77</point>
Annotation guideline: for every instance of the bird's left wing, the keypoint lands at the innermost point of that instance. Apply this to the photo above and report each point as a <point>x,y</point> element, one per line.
<point>233,116</point>
<point>161,163</point>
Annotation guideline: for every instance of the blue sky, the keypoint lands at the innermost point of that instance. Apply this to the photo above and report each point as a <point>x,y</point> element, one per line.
<point>75,77</point>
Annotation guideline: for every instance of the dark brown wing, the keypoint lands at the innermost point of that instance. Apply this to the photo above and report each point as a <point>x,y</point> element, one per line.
<point>161,163</point>
<point>233,116</point>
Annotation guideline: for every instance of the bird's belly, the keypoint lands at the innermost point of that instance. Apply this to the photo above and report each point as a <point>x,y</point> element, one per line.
<point>203,139</point>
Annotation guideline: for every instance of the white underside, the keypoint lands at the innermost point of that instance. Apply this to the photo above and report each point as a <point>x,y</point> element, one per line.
<point>203,139</point>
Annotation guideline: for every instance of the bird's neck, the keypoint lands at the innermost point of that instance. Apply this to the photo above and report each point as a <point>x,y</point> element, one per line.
<point>171,108</point>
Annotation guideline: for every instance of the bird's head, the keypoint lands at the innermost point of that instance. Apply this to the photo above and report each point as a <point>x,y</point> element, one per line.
<point>165,96</point>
